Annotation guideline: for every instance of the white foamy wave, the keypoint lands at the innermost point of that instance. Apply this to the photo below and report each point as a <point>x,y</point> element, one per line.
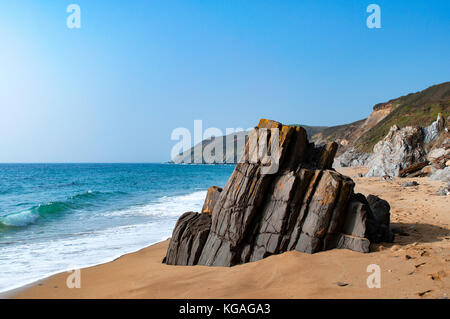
<point>43,258</point>
<point>23,218</point>
<point>166,206</point>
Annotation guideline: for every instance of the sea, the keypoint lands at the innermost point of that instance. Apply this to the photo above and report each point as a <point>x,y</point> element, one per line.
<point>61,217</point>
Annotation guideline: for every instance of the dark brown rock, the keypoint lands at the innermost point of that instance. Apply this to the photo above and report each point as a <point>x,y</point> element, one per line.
<point>380,209</point>
<point>272,204</point>
<point>188,239</point>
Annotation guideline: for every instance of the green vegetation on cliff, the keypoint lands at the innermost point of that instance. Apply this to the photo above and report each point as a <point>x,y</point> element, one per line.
<point>415,109</point>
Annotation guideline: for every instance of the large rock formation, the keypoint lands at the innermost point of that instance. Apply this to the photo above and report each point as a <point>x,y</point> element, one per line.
<point>398,150</point>
<point>408,151</point>
<point>304,205</point>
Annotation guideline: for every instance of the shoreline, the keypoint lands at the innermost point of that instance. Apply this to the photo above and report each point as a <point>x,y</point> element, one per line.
<point>414,266</point>
<point>4,294</point>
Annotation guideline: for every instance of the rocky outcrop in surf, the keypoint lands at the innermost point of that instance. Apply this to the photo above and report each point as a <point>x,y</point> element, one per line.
<point>305,205</point>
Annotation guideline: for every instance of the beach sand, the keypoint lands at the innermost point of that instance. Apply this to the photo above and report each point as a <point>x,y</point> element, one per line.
<point>414,266</point>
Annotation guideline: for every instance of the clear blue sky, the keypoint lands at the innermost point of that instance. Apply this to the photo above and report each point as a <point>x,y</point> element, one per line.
<point>114,90</point>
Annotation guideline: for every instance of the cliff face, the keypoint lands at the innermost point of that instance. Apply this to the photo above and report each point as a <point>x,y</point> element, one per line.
<point>303,205</point>
<point>359,138</point>
<point>231,143</point>
<point>415,109</point>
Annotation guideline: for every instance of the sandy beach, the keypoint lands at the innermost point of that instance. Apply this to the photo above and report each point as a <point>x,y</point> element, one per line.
<point>416,265</point>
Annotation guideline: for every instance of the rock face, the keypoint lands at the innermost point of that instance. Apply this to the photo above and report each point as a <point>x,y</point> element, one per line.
<point>302,205</point>
<point>406,152</point>
<point>352,158</point>
<point>433,131</point>
<point>398,150</point>
<point>211,199</point>
<point>188,238</point>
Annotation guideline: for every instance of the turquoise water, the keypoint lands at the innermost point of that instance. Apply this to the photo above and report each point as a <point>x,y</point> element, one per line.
<point>57,217</point>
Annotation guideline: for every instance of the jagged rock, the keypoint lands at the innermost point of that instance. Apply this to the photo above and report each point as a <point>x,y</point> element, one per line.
<point>398,150</point>
<point>380,209</point>
<point>403,152</point>
<point>433,131</point>
<point>211,199</point>
<point>368,219</point>
<point>188,239</point>
<point>302,205</point>
<point>352,158</point>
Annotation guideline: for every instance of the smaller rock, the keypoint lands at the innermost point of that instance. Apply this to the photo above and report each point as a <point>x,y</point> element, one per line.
<point>380,209</point>
<point>342,284</point>
<point>410,184</point>
<point>359,175</point>
<point>413,170</point>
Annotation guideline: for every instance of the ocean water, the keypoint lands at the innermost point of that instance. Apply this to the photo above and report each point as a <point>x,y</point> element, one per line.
<point>59,217</point>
